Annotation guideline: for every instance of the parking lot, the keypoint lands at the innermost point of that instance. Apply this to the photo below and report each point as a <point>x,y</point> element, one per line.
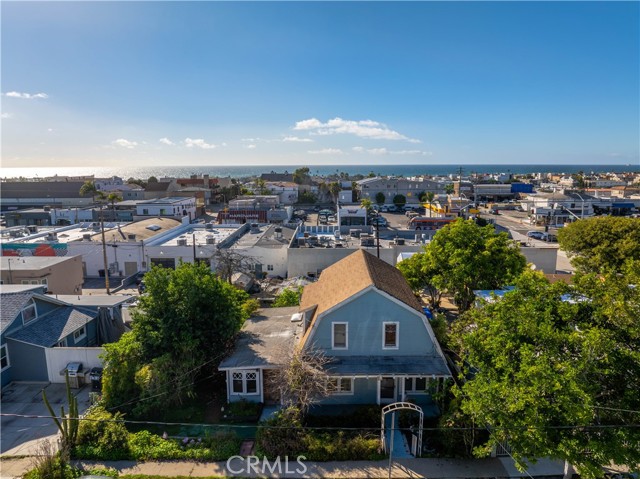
<point>20,435</point>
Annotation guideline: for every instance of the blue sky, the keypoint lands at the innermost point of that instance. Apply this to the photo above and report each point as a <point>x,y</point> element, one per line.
<point>217,83</point>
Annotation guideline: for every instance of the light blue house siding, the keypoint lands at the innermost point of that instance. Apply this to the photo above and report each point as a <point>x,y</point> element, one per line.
<point>365,391</point>
<point>365,316</point>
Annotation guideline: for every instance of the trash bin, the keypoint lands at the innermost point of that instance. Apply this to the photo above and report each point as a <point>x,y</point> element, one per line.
<point>101,273</point>
<point>95,375</point>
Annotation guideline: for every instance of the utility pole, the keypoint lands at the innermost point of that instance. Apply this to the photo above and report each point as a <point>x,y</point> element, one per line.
<point>104,251</point>
<point>378,234</point>
<point>194,248</point>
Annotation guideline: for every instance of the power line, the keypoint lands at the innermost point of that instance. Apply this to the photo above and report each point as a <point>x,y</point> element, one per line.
<point>328,428</point>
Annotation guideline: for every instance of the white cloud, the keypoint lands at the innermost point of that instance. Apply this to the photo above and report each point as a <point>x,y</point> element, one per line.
<point>295,139</point>
<point>125,143</point>
<point>6,116</point>
<point>378,151</point>
<point>362,128</point>
<point>250,147</point>
<point>166,141</point>
<point>199,142</point>
<point>26,96</point>
<point>326,151</point>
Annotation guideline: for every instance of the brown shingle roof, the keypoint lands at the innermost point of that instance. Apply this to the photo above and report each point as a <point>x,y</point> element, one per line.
<point>351,275</point>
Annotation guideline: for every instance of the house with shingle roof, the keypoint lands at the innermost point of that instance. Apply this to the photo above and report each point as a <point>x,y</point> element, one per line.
<point>32,322</point>
<point>362,315</point>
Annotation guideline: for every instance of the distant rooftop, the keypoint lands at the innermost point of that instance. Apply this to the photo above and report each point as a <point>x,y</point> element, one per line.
<point>28,263</point>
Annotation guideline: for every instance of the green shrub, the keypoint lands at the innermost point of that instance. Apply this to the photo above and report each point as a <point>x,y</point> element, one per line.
<point>342,446</point>
<point>242,410</point>
<point>105,433</point>
<point>146,446</point>
<point>250,306</point>
<point>281,435</point>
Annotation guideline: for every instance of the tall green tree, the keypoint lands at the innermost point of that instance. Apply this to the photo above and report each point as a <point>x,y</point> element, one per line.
<point>334,190</point>
<point>380,198</point>
<point>184,324</point>
<point>420,270</point>
<point>465,256</point>
<point>601,244</point>
<point>399,200</point>
<point>556,378</point>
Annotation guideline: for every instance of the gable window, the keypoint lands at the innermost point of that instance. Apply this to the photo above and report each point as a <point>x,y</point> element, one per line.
<point>390,335</point>
<point>29,312</point>
<point>80,334</point>
<point>339,335</point>
<point>340,385</point>
<point>244,382</point>
<point>4,357</point>
<point>415,385</point>
<point>62,344</point>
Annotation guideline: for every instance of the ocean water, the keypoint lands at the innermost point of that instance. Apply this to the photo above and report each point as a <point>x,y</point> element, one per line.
<point>324,170</point>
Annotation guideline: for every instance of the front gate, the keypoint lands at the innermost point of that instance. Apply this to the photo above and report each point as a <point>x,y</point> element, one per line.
<point>416,446</point>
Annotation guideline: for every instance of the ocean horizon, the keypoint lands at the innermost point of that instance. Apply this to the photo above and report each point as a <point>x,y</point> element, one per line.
<point>145,172</point>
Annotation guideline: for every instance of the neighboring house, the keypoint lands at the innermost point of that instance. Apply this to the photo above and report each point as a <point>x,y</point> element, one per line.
<point>60,275</point>
<point>364,317</point>
<point>287,192</point>
<point>170,207</point>
<point>32,322</point>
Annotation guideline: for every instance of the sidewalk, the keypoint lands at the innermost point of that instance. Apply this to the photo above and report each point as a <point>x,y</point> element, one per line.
<point>402,468</point>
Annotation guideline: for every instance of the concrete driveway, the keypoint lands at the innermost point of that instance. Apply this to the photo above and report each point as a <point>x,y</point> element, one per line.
<point>20,436</point>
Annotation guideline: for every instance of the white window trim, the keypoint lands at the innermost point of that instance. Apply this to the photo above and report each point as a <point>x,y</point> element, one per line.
<point>413,389</point>
<point>339,391</point>
<point>6,355</point>
<point>384,325</point>
<point>346,336</point>
<point>31,303</point>
<point>80,337</point>
<point>244,382</point>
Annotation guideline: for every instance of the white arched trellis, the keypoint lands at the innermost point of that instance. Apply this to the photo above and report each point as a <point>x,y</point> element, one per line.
<point>392,408</point>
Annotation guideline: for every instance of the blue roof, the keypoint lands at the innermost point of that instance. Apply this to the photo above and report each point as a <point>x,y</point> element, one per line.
<point>387,365</point>
<point>52,327</point>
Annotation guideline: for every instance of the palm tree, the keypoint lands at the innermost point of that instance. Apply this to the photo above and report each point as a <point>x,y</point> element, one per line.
<point>429,196</point>
<point>335,189</point>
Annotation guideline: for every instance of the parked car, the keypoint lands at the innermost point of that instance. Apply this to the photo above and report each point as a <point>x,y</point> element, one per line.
<point>536,234</point>
<point>550,238</point>
<point>408,207</point>
<point>379,221</point>
<point>392,208</point>
<point>384,208</point>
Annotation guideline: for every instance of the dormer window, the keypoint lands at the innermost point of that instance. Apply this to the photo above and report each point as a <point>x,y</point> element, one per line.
<point>29,312</point>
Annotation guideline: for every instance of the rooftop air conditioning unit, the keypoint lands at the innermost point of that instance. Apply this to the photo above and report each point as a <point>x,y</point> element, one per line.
<point>301,241</point>
<point>182,241</point>
<point>399,241</point>
<point>208,226</point>
<point>211,239</point>
<point>32,228</point>
<point>86,237</point>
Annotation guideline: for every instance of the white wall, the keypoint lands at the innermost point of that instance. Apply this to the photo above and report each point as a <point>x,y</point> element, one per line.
<point>58,358</point>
